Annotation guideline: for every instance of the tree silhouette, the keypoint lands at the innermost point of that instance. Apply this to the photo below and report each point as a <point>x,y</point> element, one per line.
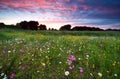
<point>84,28</point>
<point>24,25</point>
<point>2,25</point>
<point>33,25</point>
<point>66,27</point>
<point>42,27</point>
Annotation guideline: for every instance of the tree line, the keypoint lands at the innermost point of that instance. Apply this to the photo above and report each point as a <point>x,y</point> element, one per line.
<point>84,28</point>
<point>34,25</point>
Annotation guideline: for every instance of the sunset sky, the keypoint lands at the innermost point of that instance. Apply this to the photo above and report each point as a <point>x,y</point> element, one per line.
<point>55,13</point>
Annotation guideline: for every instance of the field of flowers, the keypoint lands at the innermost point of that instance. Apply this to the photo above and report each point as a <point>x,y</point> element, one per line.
<point>59,55</point>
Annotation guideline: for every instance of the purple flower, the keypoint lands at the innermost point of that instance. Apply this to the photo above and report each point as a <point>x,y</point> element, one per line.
<point>12,76</point>
<point>72,58</point>
<point>81,70</point>
<point>71,67</point>
<point>69,61</point>
<point>5,50</point>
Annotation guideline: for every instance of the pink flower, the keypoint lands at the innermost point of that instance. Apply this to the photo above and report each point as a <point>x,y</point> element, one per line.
<point>69,61</point>
<point>71,67</point>
<point>81,70</point>
<point>12,76</point>
<point>72,58</point>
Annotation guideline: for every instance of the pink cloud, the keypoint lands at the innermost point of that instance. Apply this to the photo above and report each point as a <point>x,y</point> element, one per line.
<point>111,11</point>
<point>80,0</point>
<point>107,10</point>
<point>2,8</point>
<point>85,7</point>
<point>32,4</point>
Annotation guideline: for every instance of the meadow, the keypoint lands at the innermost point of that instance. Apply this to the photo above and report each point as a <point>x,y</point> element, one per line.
<point>26,54</point>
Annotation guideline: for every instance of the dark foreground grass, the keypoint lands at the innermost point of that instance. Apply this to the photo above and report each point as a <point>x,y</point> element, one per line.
<point>59,55</point>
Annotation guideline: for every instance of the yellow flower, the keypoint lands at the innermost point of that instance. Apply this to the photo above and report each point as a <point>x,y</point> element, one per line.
<point>114,63</point>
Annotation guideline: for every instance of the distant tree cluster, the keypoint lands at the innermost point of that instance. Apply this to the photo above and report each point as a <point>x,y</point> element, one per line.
<point>83,28</point>
<point>65,27</point>
<point>42,27</point>
<point>34,25</point>
<point>52,29</point>
<point>2,25</point>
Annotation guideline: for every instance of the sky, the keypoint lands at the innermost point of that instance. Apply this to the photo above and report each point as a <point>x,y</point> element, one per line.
<point>56,13</point>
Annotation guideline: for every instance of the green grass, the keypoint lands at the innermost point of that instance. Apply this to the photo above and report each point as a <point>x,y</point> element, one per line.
<point>45,54</point>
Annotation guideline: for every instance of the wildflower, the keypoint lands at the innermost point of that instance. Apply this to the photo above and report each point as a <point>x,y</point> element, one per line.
<point>43,64</point>
<point>115,75</point>
<point>12,75</point>
<point>20,62</point>
<point>114,63</point>
<point>22,51</point>
<point>67,73</point>
<point>69,62</point>
<point>9,51</point>
<point>71,67</point>
<point>2,74</point>
<point>32,59</point>
<point>38,71</point>
<point>32,55</point>
<point>91,74</point>
<point>81,70</point>
<point>59,54</point>
<point>0,67</point>
<point>5,50</point>
<point>87,56</point>
<point>5,77</point>
<point>107,71</point>
<point>72,58</point>
<point>79,58</point>
<point>46,57</point>
<point>100,74</point>
<point>60,62</point>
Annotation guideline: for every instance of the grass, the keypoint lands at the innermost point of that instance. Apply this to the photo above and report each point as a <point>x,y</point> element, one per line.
<point>46,54</point>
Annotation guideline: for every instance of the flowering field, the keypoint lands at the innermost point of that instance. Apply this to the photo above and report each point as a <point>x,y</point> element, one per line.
<point>59,55</point>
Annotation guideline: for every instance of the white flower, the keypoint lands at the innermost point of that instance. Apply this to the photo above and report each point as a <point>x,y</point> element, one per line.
<point>32,55</point>
<point>9,51</point>
<point>2,74</point>
<point>107,71</point>
<point>67,73</point>
<point>79,58</point>
<point>32,59</point>
<point>46,57</point>
<point>38,71</point>
<point>60,62</point>
<point>43,64</point>
<point>0,67</point>
<point>100,74</point>
<point>59,54</point>
<point>91,74</point>
<point>87,56</point>
<point>115,75</point>
<point>5,77</point>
